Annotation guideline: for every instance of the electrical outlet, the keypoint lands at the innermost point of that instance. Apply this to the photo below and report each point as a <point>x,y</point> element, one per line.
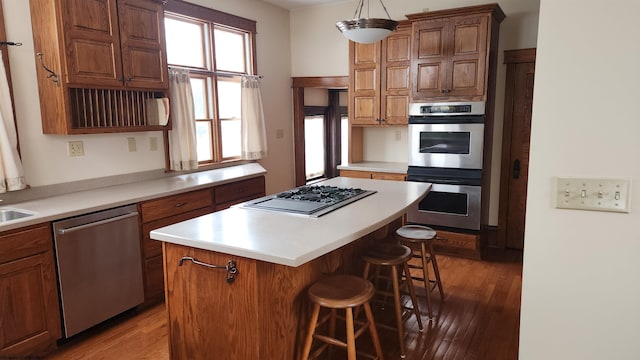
<point>153,143</point>
<point>398,135</point>
<point>131,142</point>
<point>279,133</point>
<point>75,148</point>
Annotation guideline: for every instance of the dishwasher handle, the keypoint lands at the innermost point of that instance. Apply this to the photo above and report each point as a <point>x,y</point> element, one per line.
<point>95,223</point>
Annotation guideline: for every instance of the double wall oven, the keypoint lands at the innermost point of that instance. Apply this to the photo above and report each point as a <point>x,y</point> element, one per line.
<point>446,149</point>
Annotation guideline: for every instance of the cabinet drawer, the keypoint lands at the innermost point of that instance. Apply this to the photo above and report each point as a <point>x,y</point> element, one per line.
<point>153,248</point>
<point>356,174</point>
<point>25,242</point>
<point>239,191</point>
<point>388,176</point>
<point>175,204</point>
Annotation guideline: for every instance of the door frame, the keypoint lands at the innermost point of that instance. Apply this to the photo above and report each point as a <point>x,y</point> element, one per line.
<point>298,85</point>
<point>511,58</point>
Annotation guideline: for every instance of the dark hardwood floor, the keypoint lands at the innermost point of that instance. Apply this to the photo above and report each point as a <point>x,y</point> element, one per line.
<point>479,319</point>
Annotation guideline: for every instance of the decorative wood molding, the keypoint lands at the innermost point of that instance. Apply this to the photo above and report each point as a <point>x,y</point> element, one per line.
<point>520,56</point>
<point>323,82</point>
<point>497,12</point>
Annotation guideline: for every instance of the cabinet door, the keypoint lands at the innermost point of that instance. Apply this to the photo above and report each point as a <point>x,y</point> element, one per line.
<point>451,57</point>
<point>28,306</point>
<point>364,89</point>
<point>468,56</point>
<point>395,86</point>
<point>431,60</point>
<point>92,42</point>
<point>144,58</point>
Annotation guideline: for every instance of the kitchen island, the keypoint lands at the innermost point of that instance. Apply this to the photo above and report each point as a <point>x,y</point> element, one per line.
<point>259,314</point>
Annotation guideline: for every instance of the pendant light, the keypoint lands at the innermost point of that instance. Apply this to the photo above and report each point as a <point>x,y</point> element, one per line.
<point>366,30</point>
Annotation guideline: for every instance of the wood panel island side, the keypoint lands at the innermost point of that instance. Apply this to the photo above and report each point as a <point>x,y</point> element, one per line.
<point>262,313</point>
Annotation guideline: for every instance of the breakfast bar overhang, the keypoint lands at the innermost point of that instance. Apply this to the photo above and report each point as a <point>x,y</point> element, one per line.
<point>256,309</point>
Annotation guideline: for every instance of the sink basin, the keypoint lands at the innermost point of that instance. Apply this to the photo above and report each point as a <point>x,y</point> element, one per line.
<point>13,214</point>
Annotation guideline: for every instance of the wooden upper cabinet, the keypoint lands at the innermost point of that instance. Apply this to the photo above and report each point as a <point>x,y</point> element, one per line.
<point>452,51</point>
<point>92,42</point>
<point>144,58</point>
<point>380,80</point>
<point>115,43</point>
<point>99,62</point>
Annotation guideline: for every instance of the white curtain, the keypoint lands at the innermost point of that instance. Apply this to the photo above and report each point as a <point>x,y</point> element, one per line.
<point>182,136</point>
<point>11,172</point>
<point>254,135</point>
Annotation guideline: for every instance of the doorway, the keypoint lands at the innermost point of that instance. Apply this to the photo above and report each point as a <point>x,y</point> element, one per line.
<point>515,146</point>
<point>328,118</point>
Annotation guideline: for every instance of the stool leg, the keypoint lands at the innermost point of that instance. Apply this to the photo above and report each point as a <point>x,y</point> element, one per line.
<point>432,255</point>
<point>398,306</point>
<point>373,331</point>
<point>312,328</point>
<point>351,339</point>
<point>412,293</point>
<point>332,329</point>
<point>425,275</point>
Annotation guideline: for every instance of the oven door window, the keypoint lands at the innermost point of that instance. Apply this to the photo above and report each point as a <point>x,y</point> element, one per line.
<point>445,202</point>
<point>444,142</point>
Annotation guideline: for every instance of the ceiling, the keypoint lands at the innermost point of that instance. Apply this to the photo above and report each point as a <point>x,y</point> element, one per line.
<point>291,4</point>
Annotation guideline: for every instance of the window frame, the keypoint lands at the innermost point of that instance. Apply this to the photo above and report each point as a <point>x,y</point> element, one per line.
<point>215,19</point>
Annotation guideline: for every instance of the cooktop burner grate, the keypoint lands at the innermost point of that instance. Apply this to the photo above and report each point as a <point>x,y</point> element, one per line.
<point>311,200</point>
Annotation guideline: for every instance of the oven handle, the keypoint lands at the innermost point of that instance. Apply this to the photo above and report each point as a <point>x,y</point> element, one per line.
<point>440,181</point>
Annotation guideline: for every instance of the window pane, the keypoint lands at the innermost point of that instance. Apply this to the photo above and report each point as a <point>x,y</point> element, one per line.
<point>230,138</point>
<point>344,141</point>
<point>184,43</point>
<point>230,50</point>
<point>203,140</point>
<point>199,89</point>
<point>228,99</point>
<point>314,146</point>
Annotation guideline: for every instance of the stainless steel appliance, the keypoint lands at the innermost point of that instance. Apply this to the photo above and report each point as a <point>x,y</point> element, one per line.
<point>446,149</point>
<point>446,135</point>
<point>309,200</point>
<point>99,266</point>
<point>453,201</point>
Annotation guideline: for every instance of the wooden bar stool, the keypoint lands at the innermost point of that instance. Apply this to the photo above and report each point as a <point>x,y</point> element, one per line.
<point>394,256</point>
<point>341,292</point>
<point>418,238</point>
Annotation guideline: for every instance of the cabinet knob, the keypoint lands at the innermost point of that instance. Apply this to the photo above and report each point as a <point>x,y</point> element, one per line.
<point>443,91</point>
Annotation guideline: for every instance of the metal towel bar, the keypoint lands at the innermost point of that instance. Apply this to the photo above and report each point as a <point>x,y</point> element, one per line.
<point>231,268</point>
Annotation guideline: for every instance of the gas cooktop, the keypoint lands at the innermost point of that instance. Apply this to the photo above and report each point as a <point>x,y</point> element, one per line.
<point>310,200</point>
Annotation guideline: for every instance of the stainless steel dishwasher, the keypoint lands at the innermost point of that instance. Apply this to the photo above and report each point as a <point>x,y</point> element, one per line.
<point>99,266</point>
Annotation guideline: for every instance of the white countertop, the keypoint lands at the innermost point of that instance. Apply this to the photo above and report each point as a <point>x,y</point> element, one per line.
<point>82,202</point>
<point>378,166</point>
<point>290,239</point>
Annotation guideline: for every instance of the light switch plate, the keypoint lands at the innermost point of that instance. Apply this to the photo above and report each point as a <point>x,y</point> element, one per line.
<point>593,194</point>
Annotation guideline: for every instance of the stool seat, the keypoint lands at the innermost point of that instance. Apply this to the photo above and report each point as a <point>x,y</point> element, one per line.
<point>416,233</point>
<point>341,291</point>
<point>387,254</point>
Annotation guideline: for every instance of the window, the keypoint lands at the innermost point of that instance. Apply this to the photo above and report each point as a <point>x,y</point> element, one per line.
<point>218,49</point>
<point>325,138</point>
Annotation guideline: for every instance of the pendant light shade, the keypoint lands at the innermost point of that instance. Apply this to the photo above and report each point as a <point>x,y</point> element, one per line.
<point>366,30</point>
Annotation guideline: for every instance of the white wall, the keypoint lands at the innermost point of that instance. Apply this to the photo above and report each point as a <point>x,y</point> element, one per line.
<point>45,156</point>
<point>581,288</point>
<point>313,32</point>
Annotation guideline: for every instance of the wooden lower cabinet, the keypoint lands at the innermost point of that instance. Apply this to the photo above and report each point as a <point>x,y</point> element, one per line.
<point>457,244</point>
<point>29,308</point>
<point>169,210</point>
<point>376,175</point>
